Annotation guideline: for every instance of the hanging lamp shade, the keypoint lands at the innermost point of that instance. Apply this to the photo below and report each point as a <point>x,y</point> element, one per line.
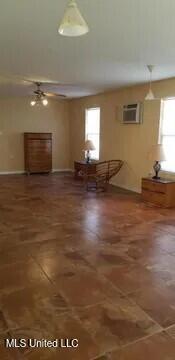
<point>73,23</point>
<point>150,94</point>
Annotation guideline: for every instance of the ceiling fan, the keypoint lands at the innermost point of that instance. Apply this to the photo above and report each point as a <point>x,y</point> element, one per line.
<point>40,97</point>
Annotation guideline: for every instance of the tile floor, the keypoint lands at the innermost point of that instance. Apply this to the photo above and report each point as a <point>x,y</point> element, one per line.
<point>97,267</point>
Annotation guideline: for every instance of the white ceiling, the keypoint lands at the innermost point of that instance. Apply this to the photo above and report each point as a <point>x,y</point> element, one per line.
<point>124,36</point>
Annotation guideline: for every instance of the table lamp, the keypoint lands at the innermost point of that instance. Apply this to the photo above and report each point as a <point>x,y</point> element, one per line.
<point>89,146</point>
<point>157,154</point>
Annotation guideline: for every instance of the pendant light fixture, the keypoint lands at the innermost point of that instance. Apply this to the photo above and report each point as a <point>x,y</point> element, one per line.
<point>73,23</point>
<point>150,94</point>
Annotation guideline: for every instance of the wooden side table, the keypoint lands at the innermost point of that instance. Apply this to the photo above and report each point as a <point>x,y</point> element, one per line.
<point>81,167</point>
<point>159,192</point>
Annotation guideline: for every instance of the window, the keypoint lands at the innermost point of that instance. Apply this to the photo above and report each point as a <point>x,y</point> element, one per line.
<point>167,134</point>
<point>92,130</point>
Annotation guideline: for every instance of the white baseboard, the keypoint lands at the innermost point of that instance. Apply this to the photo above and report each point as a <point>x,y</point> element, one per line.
<point>15,172</point>
<point>62,170</point>
<point>130,188</point>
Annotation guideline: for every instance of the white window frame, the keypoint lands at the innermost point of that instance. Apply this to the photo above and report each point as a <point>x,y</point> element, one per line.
<point>86,135</point>
<point>161,135</point>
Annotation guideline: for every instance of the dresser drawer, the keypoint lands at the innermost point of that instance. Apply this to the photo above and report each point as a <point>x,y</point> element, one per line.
<point>157,198</point>
<point>38,136</point>
<point>39,166</point>
<point>84,168</point>
<point>154,186</point>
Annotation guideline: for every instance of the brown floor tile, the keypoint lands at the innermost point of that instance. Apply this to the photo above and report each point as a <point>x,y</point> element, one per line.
<point>166,242</point>
<point>105,258</point>
<point>33,306</point>
<point>66,256</point>
<point>158,302</point>
<point>83,288</point>
<point>160,347</point>
<point>167,225</point>
<point>63,242</point>
<point>15,255</point>
<point>131,277</point>
<point>64,327</point>
<point>59,263</point>
<point>165,265</point>
<point>43,354</point>
<point>171,331</point>
<point>8,353</point>
<point>116,323</point>
<point>19,275</point>
<point>3,323</point>
<point>145,252</point>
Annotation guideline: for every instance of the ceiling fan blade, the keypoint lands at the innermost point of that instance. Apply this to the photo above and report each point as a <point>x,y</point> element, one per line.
<point>12,79</point>
<point>40,81</point>
<point>56,83</point>
<point>45,83</point>
<point>55,95</point>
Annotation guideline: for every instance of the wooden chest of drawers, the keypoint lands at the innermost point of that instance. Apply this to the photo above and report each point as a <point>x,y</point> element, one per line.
<point>38,152</point>
<point>159,192</point>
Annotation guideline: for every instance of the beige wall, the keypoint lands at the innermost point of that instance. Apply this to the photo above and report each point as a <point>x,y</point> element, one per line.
<point>130,143</point>
<point>17,117</point>
<point>66,120</point>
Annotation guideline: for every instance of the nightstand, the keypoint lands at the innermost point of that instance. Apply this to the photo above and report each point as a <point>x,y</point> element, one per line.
<point>81,167</point>
<point>159,192</point>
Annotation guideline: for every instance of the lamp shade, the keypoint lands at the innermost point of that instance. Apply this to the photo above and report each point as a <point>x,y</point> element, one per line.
<point>157,153</point>
<point>89,146</point>
<point>73,23</point>
<point>150,95</point>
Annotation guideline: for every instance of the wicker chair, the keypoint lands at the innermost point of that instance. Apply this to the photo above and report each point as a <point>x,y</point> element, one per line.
<point>104,172</point>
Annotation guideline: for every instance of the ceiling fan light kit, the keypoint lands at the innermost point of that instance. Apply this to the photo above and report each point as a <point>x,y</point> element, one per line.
<point>73,23</point>
<point>45,102</point>
<point>39,102</point>
<point>33,103</point>
<point>150,94</point>
<point>40,97</point>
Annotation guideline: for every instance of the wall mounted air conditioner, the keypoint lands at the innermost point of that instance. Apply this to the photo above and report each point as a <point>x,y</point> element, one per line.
<point>132,113</point>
